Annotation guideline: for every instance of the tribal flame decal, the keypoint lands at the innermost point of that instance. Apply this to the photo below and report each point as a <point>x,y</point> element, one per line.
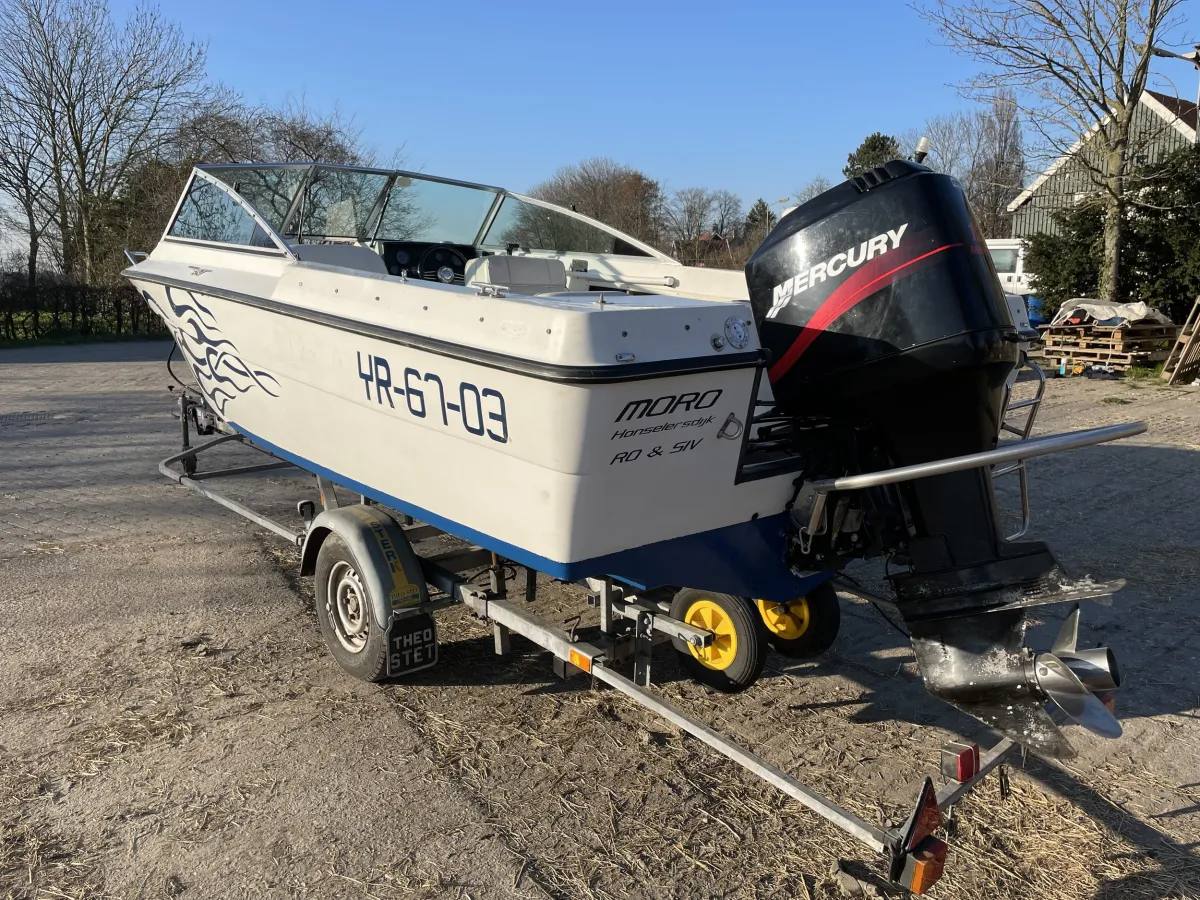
<point>222,374</point>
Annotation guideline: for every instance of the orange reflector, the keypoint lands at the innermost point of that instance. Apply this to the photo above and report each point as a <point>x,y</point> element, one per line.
<point>1109,701</point>
<point>579,661</point>
<point>924,865</point>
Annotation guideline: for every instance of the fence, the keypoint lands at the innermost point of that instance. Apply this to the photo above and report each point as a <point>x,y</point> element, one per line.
<point>60,310</point>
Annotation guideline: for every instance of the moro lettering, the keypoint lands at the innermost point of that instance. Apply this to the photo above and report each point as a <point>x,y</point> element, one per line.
<point>661,406</point>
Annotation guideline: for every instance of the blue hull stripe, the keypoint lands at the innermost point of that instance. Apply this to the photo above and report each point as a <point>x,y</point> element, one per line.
<point>745,559</point>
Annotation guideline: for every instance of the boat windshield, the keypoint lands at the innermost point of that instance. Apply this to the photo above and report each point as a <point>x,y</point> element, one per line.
<point>434,211</point>
<point>303,202</point>
<point>533,227</point>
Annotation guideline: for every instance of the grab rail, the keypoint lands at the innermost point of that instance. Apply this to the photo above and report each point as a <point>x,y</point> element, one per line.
<point>1009,452</point>
<point>662,280</point>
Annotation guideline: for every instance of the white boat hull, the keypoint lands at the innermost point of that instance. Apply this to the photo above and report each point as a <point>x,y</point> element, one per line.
<point>627,478</point>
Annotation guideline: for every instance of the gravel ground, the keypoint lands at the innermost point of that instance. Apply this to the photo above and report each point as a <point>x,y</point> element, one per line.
<point>170,724</point>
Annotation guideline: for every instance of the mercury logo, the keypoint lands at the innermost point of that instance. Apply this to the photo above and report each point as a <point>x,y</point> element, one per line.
<point>833,267</point>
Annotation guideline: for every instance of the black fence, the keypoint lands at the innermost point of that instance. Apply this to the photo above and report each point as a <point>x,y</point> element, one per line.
<point>55,310</point>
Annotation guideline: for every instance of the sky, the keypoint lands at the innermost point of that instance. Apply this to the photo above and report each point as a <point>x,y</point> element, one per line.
<point>756,96</point>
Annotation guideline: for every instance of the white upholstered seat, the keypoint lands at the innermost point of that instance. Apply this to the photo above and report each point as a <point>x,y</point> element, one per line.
<point>520,274</point>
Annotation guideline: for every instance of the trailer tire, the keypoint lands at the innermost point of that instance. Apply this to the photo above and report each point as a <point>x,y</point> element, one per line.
<point>739,650</point>
<point>805,627</point>
<point>344,609</point>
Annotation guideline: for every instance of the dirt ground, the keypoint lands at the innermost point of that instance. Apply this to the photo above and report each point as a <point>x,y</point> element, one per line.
<point>171,725</point>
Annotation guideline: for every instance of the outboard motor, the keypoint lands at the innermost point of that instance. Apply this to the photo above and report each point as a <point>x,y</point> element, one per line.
<point>890,345</point>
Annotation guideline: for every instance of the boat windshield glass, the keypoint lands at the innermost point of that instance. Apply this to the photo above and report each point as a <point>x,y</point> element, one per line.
<point>338,203</point>
<point>535,227</point>
<point>269,189</point>
<point>434,211</point>
<point>364,205</point>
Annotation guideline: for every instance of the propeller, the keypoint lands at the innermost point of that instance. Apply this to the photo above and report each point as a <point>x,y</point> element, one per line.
<point>1069,677</point>
<point>980,665</point>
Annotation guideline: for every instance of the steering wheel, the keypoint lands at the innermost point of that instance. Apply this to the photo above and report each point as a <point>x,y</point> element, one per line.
<point>441,263</point>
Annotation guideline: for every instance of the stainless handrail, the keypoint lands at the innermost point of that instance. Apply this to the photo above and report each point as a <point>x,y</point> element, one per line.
<point>1007,452</point>
<point>607,278</point>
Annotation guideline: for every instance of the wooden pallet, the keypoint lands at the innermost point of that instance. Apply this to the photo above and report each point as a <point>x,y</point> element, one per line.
<point>1115,345</point>
<point>1183,362</point>
<point>1118,360</point>
<point>1166,332</point>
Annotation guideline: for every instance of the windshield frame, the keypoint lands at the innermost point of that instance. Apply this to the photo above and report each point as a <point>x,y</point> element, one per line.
<point>281,245</point>
<point>375,219</point>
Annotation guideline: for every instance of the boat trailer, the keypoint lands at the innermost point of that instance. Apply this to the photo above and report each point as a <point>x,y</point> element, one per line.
<point>398,577</point>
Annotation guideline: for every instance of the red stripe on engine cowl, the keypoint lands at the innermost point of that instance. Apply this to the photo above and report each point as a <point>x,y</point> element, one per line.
<point>836,305</point>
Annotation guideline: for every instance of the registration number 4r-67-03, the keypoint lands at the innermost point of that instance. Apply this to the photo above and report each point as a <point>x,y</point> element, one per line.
<point>425,395</point>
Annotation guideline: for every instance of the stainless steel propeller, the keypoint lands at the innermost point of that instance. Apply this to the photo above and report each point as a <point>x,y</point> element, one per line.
<point>1069,677</point>
<point>980,665</point>
<point>1063,687</point>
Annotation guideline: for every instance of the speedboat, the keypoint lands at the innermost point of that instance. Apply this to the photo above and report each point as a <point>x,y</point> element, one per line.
<point>513,372</point>
<point>580,403</point>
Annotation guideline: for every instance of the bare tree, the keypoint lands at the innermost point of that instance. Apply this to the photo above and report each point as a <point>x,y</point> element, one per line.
<point>104,98</point>
<point>998,168</point>
<point>297,134</point>
<point>615,194</point>
<point>24,178</point>
<point>984,150</point>
<point>814,187</point>
<point>1078,70</point>
<point>727,213</point>
<point>689,216</point>
<point>953,142</point>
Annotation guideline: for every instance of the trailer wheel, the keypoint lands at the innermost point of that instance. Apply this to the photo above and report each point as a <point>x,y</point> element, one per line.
<point>344,610</point>
<point>804,627</point>
<point>738,652</point>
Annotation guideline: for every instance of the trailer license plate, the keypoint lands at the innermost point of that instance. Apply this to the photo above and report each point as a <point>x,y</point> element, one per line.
<point>412,644</point>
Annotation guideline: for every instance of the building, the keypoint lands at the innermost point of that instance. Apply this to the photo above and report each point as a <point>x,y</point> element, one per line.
<point>1161,125</point>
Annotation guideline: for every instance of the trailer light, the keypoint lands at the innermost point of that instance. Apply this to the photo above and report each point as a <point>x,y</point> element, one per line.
<point>960,762</point>
<point>924,865</point>
<point>579,660</point>
<point>926,818</point>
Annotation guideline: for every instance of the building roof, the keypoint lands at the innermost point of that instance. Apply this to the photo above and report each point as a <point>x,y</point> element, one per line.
<point>1179,114</point>
<point>1183,110</point>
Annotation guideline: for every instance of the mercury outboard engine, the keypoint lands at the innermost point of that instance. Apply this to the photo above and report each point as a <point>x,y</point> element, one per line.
<point>890,344</point>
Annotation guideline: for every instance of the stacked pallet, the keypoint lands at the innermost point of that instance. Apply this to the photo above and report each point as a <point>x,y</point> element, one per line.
<point>1118,346</point>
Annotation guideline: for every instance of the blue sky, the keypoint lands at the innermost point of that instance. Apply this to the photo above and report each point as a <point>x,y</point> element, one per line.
<point>756,97</point>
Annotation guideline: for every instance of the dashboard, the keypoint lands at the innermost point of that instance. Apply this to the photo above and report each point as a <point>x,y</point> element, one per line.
<point>445,263</point>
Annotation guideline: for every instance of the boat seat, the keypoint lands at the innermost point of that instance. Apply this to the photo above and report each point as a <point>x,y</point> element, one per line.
<point>346,256</point>
<point>520,274</point>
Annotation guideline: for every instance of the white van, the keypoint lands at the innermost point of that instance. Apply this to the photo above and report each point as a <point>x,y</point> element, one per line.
<point>1008,255</point>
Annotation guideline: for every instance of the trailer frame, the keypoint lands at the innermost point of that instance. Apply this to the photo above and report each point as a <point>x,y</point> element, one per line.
<point>601,658</point>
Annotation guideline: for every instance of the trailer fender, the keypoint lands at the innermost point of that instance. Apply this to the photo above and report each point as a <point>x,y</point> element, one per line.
<point>392,574</point>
